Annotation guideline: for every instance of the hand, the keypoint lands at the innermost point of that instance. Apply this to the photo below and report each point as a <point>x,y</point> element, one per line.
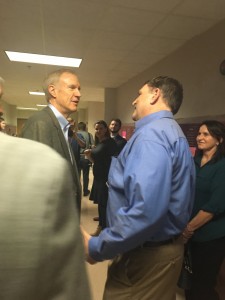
<point>86,238</point>
<point>87,151</point>
<point>187,233</point>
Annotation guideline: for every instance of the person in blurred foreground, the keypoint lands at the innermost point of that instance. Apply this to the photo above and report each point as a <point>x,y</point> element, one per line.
<point>41,250</point>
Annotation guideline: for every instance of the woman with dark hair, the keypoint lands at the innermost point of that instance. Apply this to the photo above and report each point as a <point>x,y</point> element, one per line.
<point>206,229</point>
<point>100,155</point>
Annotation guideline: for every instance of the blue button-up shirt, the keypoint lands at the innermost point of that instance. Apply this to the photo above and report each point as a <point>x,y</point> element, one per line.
<point>151,188</point>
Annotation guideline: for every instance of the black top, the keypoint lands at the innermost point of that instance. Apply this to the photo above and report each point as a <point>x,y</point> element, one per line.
<point>210,197</point>
<point>120,142</point>
<point>101,155</point>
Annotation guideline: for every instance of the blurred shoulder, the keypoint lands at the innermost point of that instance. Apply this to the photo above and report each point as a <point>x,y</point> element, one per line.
<point>25,148</point>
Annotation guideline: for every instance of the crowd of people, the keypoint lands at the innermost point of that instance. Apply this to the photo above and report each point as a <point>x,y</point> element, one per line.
<point>153,198</point>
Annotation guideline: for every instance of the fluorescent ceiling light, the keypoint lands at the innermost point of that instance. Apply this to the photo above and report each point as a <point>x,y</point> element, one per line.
<point>37,93</point>
<point>41,105</point>
<point>44,59</point>
<point>25,108</point>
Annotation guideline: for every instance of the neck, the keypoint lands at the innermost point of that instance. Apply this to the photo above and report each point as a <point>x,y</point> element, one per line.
<point>65,114</point>
<point>113,134</point>
<point>102,139</point>
<point>207,156</point>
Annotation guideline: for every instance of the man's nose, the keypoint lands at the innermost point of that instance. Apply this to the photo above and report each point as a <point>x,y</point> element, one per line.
<point>77,93</point>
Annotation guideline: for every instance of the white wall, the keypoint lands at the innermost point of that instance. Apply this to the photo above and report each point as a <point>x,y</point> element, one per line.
<point>95,112</point>
<point>82,115</point>
<point>196,66</point>
<point>110,104</point>
<point>25,114</point>
<point>9,113</point>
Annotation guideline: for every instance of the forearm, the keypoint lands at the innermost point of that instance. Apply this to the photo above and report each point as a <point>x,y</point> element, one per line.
<point>80,142</point>
<point>198,221</point>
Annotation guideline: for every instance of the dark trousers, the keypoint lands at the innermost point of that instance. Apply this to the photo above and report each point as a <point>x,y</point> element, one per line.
<point>85,167</point>
<point>207,258</point>
<point>102,202</point>
<point>102,213</point>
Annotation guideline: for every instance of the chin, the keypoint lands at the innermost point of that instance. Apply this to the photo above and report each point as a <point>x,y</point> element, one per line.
<point>200,148</point>
<point>73,109</point>
<point>134,118</point>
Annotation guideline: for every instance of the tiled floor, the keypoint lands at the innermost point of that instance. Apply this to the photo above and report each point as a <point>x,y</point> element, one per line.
<point>97,273</point>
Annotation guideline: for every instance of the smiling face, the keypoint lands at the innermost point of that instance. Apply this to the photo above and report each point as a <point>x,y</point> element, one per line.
<point>65,94</point>
<point>100,131</point>
<point>205,141</point>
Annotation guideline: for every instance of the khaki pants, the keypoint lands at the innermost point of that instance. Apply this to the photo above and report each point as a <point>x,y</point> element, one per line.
<point>149,273</point>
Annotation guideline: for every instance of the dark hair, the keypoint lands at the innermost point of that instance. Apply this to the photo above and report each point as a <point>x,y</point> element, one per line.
<point>172,91</point>
<point>81,126</point>
<point>104,124</point>
<point>217,130</point>
<point>117,121</point>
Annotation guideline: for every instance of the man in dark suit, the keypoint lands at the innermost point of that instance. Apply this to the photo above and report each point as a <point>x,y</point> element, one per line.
<point>50,126</point>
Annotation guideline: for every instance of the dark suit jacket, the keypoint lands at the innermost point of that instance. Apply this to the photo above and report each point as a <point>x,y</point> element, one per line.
<point>44,127</point>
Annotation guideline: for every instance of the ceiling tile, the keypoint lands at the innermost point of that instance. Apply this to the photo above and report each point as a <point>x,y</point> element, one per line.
<point>130,21</point>
<point>117,39</point>
<point>151,5</point>
<point>214,10</point>
<point>182,27</point>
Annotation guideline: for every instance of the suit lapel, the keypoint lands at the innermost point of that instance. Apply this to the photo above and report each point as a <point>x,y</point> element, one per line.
<point>60,134</point>
<point>66,147</point>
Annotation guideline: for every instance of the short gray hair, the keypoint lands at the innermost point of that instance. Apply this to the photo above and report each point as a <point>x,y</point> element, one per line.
<point>53,78</point>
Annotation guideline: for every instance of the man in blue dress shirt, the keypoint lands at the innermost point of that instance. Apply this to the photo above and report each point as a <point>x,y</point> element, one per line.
<point>151,191</point>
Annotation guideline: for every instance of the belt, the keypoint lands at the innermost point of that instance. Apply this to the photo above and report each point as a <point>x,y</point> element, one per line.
<point>160,243</point>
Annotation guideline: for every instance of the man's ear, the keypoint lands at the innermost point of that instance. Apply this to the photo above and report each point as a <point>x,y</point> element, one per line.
<point>154,95</point>
<point>51,90</point>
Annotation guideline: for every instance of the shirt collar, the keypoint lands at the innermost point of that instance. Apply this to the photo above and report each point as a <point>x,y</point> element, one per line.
<point>64,124</point>
<point>152,117</point>
<point>62,120</point>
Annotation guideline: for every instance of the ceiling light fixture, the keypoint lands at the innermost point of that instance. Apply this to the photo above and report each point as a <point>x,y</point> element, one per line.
<point>25,108</point>
<point>41,105</point>
<point>37,93</point>
<point>44,59</point>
